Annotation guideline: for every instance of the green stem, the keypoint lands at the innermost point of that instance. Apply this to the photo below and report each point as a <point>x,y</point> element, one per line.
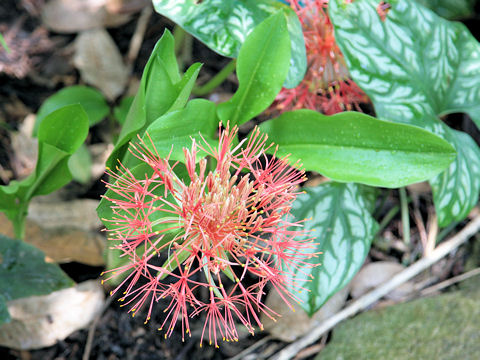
<point>387,218</point>
<point>19,222</point>
<point>216,80</point>
<point>405,215</point>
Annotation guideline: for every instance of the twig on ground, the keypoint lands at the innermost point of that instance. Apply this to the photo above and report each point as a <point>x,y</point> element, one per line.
<point>312,350</point>
<point>449,282</point>
<point>137,37</point>
<point>422,231</point>
<point>432,226</point>
<point>363,302</point>
<point>251,348</point>
<point>93,326</point>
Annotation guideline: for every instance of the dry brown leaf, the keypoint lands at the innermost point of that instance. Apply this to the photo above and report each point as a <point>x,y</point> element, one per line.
<point>76,214</point>
<point>72,240</point>
<point>41,321</point>
<point>25,148</point>
<point>100,62</point>
<point>126,6</point>
<point>377,273</point>
<point>100,153</point>
<point>293,325</point>
<point>420,189</point>
<point>71,16</point>
<point>24,48</point>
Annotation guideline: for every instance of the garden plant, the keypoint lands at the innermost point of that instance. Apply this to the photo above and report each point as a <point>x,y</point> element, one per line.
<point>210,206</point>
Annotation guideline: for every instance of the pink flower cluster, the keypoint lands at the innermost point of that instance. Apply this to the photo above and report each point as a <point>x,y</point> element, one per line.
<point>326,86</point>
<point>226,230</point>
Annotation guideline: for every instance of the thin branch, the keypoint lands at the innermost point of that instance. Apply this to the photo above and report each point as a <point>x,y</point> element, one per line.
<point>93,326</point>
<point>137,38</point>
<point>251,348</point>
<point>368,299</point>
<point>449,282</point>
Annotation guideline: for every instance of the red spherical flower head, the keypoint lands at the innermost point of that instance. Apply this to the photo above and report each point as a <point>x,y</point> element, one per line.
<point>326,86</point>
<point>227,230</point>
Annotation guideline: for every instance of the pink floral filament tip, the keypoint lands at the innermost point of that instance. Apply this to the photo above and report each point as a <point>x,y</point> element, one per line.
<point>326,87</point>
<point>227,231</point>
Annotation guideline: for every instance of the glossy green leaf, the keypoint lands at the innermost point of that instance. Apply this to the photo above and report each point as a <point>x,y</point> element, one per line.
<point>175,130</point>
<point>24,272</point>
<point>80,165</point>
<point>416,66</point>
<point>61,133</point>
<point>162,89</point>
<point>261,69</point>
<point>344,230</point>
<point>354,147</point>
<point>224,26</point>
<point>4,315</point>
<point>457,9</point>
<point>65,128</point>
<point>91,99</point>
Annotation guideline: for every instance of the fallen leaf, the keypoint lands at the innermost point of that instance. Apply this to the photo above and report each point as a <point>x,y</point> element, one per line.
<point>292,325</point>
<point>24,48</point>
<point>126,6</point>
<point>65,232</point>
<point>76,214</point>
<point>25,148</point>
<point>71,16</point>
<point>100,153</point>
<point>41,321</point>
<point>377,273</point>
<point>100,62</point>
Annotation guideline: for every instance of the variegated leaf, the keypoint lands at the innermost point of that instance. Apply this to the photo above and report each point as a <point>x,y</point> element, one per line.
<point>416,66</point>
<point>344,230</point>
<point>224,25</point>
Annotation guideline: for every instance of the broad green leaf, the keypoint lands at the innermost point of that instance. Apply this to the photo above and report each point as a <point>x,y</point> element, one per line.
<point>4,315</point>
<point>343,230</point>
<point>162,89</point>
<point>61,133</point>
<point>261,69</point>
<point>24,272</point>
<point>224,26</point>
<point>416,66</point>
<point>354,147</point>
<point>65,128</point>
<point>92,101</point>
<point>80,165</point>
<point>174,131</point>
<point>457,9</point>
